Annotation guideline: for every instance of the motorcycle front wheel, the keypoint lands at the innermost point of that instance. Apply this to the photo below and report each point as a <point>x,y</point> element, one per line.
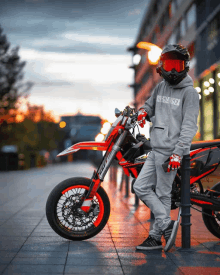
<point>63,210</point>
<point>212,222</point>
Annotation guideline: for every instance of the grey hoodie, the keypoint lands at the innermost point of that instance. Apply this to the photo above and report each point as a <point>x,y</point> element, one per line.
<point>176,109</point>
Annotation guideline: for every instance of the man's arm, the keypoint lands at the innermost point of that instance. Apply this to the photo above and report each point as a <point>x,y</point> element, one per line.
<point>189,123</point>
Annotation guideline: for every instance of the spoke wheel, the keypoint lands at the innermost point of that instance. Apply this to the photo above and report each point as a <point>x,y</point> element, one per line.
<point>65,215</point>
<point>69,214</point>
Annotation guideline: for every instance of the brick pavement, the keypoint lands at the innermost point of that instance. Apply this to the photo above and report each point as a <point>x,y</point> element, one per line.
<point>29,246</point>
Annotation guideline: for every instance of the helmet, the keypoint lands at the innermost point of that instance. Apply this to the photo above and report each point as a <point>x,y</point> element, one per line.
<point>174,63</point>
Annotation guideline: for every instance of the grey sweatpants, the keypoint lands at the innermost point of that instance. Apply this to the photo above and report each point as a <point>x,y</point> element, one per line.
<point>152,176</point>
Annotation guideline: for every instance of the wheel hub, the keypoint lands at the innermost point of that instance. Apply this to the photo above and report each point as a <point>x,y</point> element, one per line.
<point>73,216</point>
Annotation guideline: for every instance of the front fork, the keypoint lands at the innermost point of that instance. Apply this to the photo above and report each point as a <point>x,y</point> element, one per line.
<point>98,176</point>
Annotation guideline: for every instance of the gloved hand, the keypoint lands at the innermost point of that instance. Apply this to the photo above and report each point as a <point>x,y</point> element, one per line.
<point>174,163</point>
<point>141,117</point>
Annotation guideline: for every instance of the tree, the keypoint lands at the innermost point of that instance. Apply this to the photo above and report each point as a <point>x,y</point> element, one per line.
<point>11,74</point>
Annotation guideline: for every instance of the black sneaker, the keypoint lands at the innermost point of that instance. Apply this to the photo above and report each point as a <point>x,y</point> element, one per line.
<point>149,244</point>
<point>170,234</point>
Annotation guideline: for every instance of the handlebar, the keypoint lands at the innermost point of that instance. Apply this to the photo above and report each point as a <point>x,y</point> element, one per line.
<point>134,117</point>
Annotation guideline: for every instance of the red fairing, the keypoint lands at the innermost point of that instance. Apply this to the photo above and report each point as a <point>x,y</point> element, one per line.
<point>192,153</point>
<point>87,145</point>
<point>126,165</point>
<point>91,145</point>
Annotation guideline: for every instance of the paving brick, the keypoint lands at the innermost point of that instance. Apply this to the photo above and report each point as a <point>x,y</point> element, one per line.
<point>40,269</point>
<point>41,254</point>
<point>2,267</point>
<point>157,255</point>
<point>70,269</point>
<point>92,262</point>
<point>97,255</point>
<point>92,249</point>
<point>33,239</point>
<point>189,270</point>
<point>152,268</point>
<point>46,247</point>
<point>39,261</point>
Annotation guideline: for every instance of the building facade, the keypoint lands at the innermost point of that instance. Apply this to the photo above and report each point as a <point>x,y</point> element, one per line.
<point>196,25</point>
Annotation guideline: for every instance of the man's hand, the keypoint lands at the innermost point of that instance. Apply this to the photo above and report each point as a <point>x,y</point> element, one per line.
<point>174,163</point>
<point>141,117</point>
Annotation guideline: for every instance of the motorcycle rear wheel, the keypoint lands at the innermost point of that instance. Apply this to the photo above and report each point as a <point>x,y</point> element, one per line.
<point>62,210</point>
<point>212,223</point>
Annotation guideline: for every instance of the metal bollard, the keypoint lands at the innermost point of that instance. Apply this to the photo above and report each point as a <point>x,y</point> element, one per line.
<point>136,203</point>
<point>185,202</point>
<point>122,180</point>
<point>126,186</point>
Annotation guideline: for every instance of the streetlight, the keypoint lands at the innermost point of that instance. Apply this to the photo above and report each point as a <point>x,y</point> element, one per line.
<point>154,51</point>
<point>62,124</point>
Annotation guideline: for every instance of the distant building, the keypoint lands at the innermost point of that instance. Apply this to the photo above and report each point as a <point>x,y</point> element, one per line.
<point>82,127</point>
<point>196,25</point>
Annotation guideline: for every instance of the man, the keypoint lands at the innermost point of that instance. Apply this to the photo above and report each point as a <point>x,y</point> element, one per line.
<point>175,105</point>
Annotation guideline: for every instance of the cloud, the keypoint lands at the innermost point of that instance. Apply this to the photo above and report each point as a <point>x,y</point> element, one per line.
<point>98,39</point>
<point>135,12</point>
<point>94,83</point>
<point>72,68</point>
<point>75,42</point>
<point>84,96</point>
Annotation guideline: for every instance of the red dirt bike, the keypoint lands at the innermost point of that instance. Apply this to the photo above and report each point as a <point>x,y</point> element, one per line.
<point>78,208</point>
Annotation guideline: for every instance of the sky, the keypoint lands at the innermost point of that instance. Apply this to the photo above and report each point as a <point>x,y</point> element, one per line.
<point>75,51</point>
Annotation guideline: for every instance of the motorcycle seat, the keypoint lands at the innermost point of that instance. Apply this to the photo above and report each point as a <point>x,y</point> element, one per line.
<point>203,144</point>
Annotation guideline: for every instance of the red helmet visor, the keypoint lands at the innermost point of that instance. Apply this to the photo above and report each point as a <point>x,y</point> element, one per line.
<point>169,64</point>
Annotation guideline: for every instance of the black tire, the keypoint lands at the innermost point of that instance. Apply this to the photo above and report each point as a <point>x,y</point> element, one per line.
<point>212,223</point>
<point>61,222</point>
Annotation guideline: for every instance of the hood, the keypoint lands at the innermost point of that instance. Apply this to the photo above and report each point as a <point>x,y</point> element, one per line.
<point>187,81</point>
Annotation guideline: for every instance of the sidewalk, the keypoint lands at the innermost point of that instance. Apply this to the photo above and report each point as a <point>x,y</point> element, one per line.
<point>29,246</point>
<point>133,227</point>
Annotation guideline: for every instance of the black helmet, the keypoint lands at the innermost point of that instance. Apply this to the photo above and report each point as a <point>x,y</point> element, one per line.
<point>174,63</point>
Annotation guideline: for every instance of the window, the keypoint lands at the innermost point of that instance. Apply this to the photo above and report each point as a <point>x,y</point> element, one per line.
<point>161,24</point>
<point>143,58</point>
<point>172,39</point>
<point>166,16</point>
<point>154,38</point>
<point>191,16</point>
<point>173,7</point>
<point>146,29</point>
<point>177,30</point>
<point>155,8</point>
<point>182,27</point>
<point>145,77</point>
<point>179,2</point>
<point>164,20</point>
<point>217,79</point>
<point>213,32</point>
<point>207,106</point>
